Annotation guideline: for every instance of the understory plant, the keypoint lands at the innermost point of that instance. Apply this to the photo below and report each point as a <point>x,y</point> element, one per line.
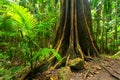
<point>20,40</point>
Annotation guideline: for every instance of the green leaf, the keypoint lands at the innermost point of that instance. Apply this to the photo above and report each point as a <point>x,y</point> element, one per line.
<point>56,54</point>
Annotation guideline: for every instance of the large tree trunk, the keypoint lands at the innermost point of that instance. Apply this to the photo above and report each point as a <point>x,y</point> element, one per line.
<point>74,39</point>
<point>74,36</point>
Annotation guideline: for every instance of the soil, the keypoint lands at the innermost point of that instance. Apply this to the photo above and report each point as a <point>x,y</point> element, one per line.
<point>97,69</point>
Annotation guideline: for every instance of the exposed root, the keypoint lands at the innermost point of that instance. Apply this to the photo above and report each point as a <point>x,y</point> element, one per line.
<point>89,70</point>
<point>112,72</point>
<point>71,52</point>
<point>57,64</point>
<point>78,48</point>
<point>39,68</point>
<point>86,74</point>
<point>67,60</point>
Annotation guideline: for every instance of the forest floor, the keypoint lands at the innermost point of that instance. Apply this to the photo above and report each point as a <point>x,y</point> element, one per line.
<point>97,69</point>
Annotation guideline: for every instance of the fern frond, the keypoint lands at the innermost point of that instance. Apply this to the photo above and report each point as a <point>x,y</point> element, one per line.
<point>44,53</point>
<point>23,17</point>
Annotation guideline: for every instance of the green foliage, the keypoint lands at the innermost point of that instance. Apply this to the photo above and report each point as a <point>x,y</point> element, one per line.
<point>94,3</point>
<point>23,35</point>
<point>106,23</point>
<point>44,53</point>
<point>23,18</point>
<point>116,55</point>
<point>28,27</point>
<point>8,74</point>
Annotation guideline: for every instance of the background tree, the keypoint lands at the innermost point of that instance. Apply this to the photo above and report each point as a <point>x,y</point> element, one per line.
<point>105,24</point>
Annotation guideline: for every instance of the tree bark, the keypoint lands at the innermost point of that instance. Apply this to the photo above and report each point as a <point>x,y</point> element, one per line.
<point>74,36</point>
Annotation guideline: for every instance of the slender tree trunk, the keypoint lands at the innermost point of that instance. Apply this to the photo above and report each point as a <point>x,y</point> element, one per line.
<point>98,18</point>
<point>115,35</point>
<point>102,34</point>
